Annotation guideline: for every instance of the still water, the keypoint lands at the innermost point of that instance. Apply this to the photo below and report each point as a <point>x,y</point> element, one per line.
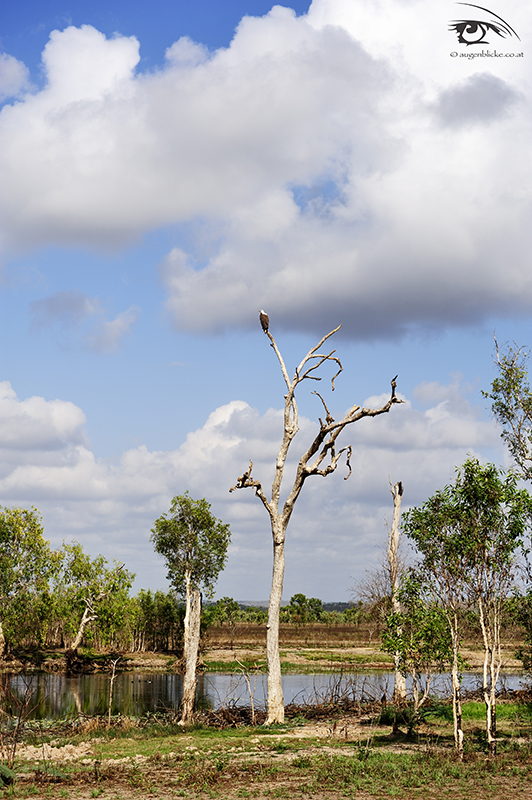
<point>57,696</point>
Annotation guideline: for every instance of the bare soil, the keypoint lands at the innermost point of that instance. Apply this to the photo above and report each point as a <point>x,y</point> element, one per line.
<point>295,762</point>
<point>311,646</point>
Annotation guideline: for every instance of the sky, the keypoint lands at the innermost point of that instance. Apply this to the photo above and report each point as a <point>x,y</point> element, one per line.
<point>167,170</point>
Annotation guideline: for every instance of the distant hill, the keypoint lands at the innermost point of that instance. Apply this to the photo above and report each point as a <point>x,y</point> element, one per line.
<point>336,606</point>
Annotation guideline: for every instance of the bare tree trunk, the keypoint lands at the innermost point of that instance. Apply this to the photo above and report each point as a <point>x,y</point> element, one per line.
<point>2,639</point>
<point>399,694</point>
<point>322,449</point>
<point>111,685</point>
<point>186,621</point>
<point>491,670</point>
<point>275,687</point>
<point>457,695</point>
<point>191,648</point>
<point>87,617</point>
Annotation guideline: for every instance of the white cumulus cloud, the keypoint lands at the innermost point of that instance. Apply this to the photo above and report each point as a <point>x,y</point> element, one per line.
<point>342,164</point>
<point>14,76</point>
<point>110,506</point>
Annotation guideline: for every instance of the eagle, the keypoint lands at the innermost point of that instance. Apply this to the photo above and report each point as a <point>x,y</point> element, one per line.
<point>264,320</point>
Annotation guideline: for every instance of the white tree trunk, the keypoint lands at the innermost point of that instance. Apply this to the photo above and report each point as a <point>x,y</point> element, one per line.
<point>86,618</point>
<point>275,687</point>
<point>399,693</point>
<point>191,648</point>
<point>457,695</point>
<point>186,622</point>
<point>492,665</point>
<point>2,639</point>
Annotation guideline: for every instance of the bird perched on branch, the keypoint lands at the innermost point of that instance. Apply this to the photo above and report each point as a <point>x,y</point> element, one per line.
<point>264,320</point>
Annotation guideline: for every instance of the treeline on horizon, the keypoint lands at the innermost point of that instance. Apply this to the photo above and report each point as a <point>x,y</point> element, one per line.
<point>45,595</point>
<point>61,599</point>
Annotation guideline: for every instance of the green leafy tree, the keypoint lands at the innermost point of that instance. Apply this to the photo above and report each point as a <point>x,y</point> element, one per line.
<point>435,528</point>
<point>256,615</point>
<point>158,621</point>
<point>496,517</point>
<point>87,590</point>
<point>26,566</point>
<point>467,536</point>
<point>194,545</point>
<point>302,609</point>
<point>511,398</point>
<point>418,638</point>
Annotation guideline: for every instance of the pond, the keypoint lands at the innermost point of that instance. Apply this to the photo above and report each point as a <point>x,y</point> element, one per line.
<point>55,696</point>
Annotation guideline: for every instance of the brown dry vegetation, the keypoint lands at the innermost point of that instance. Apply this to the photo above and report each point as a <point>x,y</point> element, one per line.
<point>335,755</point>
<point>321,647</point>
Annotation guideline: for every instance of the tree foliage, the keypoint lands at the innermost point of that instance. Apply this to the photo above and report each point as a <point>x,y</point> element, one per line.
<point>418,637</point>
<point>192,542</point>
<point>86,586</point>
<point>302,609</point>
<point>26,566</point>
<point>194,545</point>
<point>467,536</point>
<point>511,398</point>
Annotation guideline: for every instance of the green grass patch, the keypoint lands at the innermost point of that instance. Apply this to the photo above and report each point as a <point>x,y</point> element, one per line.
<point>476,711</point>
<point>249,664</point>
<point>348,658</point>
<point>246,761</point>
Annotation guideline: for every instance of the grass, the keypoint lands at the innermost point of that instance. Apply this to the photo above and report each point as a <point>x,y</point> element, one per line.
<point>353,658</point>
<point>249,664</point>
<point>165,760</point>
<point>302,660</point>
<point>378,773</point>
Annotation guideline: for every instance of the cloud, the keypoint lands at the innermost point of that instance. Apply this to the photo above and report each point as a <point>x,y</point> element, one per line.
<point>106,337</point>
<point>334,167</point>
<point>110,506</point>
<point>67,308</point>
<point>14,77</point>
<point>73,310</point>
<point>481,98</point>
<point>37,426</point>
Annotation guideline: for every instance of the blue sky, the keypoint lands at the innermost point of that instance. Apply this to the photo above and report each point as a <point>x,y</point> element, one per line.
<point>168,169</point>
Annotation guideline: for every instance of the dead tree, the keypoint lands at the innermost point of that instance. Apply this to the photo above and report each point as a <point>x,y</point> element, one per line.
<point>394,572</point>
<point>192,634</point>
<point>321,458</point>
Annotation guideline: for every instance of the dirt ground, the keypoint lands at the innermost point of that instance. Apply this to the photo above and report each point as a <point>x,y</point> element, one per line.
<point>265,769</point>
<point>338,657</point>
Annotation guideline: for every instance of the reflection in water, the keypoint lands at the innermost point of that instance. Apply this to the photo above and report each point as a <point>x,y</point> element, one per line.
<point>56,696</point>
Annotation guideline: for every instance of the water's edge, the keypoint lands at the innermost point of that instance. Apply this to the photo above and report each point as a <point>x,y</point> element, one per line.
<point>55,696</point>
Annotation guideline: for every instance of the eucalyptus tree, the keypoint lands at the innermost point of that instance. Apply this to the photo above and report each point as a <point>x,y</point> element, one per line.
<point>417,636</point>
<point>468,536</point>
<point>496,517</point>
<point>194,545</point>
<point>320,458</point>
<point>26,565</point>
<point>89,590</point>
<point>511,398</point>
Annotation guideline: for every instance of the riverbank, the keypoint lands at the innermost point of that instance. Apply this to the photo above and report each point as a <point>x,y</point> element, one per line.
<point>222,658</point>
